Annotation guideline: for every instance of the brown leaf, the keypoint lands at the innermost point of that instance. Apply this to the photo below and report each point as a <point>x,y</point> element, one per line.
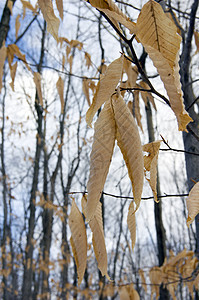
<point>193,203</point>
<point>100,158</point>
<point>105,88</point>
<point>37,81</point>
<point>196,38</point>
<point>3,54</point>
<point>60,89</point>
<point>17,26</point>
<point>78,240</point>
<point>13,70</point>
<point>49,16</point>
<point>13,50</point>
<point>131,222</point>
<point>128,139</point>
<point>59,4</point>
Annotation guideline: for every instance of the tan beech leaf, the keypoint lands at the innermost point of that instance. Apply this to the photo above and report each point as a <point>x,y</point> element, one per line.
<point>193,203</point>
<point>17,25</point>
<point>28,5</point>
<point>88,59</point>
<point>146,96</point>
<point>96,225</point>
<point>172,16</point>
<point>155,276</point>
<point>13,50</point>
<point>60,8</point>
<point>113,11</point>
<point>150,165</point>
<point>196,38</point>
<point>10,5</point>
<point>128,140</point>
<point>13,70</point>
<point>60,89</point>
<point>37,81</point>
<point>142,276</point>
<point>100,158</point>
<point>132,73</point>
<point>78,240</point>
<point>3,55</point>
<point>105,88</point>
<point>128,293</point>
<point>159,36</point>
<point>85,89</point>
<point>131,222</point>
<point>137,113</point>
<point>124,294</point>
<point>49,16</point>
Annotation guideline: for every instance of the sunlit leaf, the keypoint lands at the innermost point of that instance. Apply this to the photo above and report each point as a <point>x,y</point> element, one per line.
<point>78,240</point>
<point>3,54</point>
<point>96,225</point>
<point>131,222</point>
<point>105,88</point>
<point>59,4</point>
<point>150,165</point>
<point>128,139</point>
<point>193,203</point>
<point>100,158</point>
<point>158,35</point>
<point>37,81</point>
<point>49,15</point>
<point>60,89</point>
<point>17,25</point>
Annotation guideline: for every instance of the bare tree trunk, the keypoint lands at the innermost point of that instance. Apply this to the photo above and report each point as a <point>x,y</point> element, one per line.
<point>5,21</point>
<point>28,271</point>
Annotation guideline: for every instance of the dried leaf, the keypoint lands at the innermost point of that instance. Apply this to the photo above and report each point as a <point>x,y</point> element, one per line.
<point>17,26</point>
<point>158,35</point>
<point>3,54</point>
<point>128,293</point>
<point>137,113</point>
<point>28,5</point>
<point>131,222</point>
<point>59,4</point>
<point>155,276</point>
<point>113,12</point>
<point>88,59</point>
<point>37,81</point>
<point>13,70</point>
<point>130,145</point>
<point>146,96</point>
<point>196,38</point>
<point>150,165</point>
<point>60,89</point>
<point>105,88</point>
<point>13,50</point>
<point>96,225</point>
<point>100,158</point>
<point>85,89</point>
<point>49,16</point>
<point>144,285</point>
<point>78,240</point>
<point>193,203</point>
<point>10,5</point>
<point>132,73</point>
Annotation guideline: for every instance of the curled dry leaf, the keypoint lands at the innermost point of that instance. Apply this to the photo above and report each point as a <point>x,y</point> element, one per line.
<point>13,50</point>
<point>196,38</point>
<point>100,158</point>
<point>150,165</point>
<point>114,13</point>
<point>128,139</point>
<point>3,54</point>
<point>60,89</point>
<point>131,222</point>
<point>17,25</point>
<point>78,240</point>
<point>37,81</point>
<point>132,73</point>
<point>59,4</point>
<point>50,18</point>
<point>155,276</point>
<point>146,96</point>
<point>96,225</point>
<point>159,36</point>
<point>193,203</point>
<point>105,88</point>
<point>13,69</point>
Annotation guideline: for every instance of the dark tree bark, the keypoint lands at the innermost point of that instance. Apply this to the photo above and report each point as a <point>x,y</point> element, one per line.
<point>5,21</point>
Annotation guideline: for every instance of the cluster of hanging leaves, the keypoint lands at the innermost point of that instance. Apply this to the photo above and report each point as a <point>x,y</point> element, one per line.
<point>160,38</point>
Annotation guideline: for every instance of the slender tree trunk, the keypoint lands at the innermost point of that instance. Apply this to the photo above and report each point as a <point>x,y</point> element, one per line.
<point>5,21</point>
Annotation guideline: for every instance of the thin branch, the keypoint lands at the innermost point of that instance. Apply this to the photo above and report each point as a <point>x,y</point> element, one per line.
<point>176,150</point>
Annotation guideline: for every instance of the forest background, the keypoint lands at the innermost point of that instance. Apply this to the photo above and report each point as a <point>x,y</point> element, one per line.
<point>48,83</point>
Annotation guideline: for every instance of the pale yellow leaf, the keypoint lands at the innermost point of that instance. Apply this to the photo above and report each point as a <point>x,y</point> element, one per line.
<point>96,225</point>
<point>105,88</point>
<point>13,50</point>
<point>159,36</point>
<point>100,158</point>
<point>60,89</point>
<point>49,15</point>
<point>37,81</point>
<point>131,222</point>
<point>3,54</point>
<point>78,240</point>
<point>113,11</point>
<point>150,165</point>
<point>193,203</point>
<point>128,139</point>
<point>13,70</point>
<point>85,89</point>
<point>17,26</point>
<point>59,4</point>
